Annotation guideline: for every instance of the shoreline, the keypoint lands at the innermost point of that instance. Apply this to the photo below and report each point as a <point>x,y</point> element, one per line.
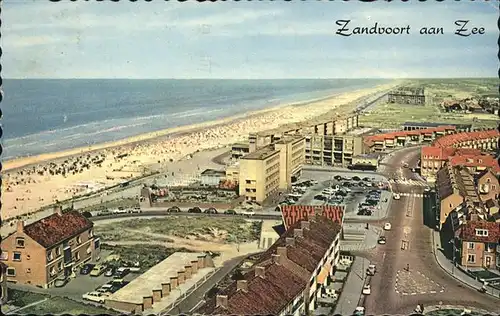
<point>28,161</point>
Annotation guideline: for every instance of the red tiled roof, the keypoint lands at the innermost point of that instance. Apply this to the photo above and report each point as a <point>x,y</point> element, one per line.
<point>54,229</point>
<point>467,231</point>
<point>293,213</point>
<point>487,161</point>
<point>282,283</point>
<point>455,139</point>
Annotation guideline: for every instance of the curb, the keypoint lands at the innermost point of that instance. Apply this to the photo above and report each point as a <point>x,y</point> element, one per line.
<point>448,272</point>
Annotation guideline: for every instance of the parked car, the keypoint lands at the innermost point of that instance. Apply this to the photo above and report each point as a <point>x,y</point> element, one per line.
<point>95,297</point>
<point>121,273</point>
<point>359,311</point>
<point>248,213</point>
<point>356,178</point>
<point>173,209</point>
<point>97,270</point>
<point>87,268</point>
<point>396,196</point>
<point>387,226</point>
<point>110,271</point>
<point>338,178</point>
<point>381,240</point>
<point>195,209</point>
<point>230,212</point>
<point>367,290</point>
<point>211,210</point>
<point>320,197</point>
<point>366,179</point>
<point>61,281</point>
<point>371,270</point>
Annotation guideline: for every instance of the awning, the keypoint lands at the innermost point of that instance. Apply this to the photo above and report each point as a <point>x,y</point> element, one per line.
<point>324,273</point>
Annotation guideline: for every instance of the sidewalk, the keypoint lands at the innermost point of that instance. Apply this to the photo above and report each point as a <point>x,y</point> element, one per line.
<point>351,291</point>
<point>455,272</point>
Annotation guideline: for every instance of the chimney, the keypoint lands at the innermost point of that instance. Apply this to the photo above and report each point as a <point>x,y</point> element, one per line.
<point>165,289</point>
<point>290,241</point>
<point>242,285</point>
<point>181,277</point>
<point>276,258</point>
<point>298,232</point>
<point>58,210</point>
<point>201,262</point>
<point>173,283</point>
<point>282,252</point>
<point>194,266</point>
<point>189,272</point>
<point>305,225</point>
<point>20,226</point>
<point>260,271</point>
<point>221,301</point>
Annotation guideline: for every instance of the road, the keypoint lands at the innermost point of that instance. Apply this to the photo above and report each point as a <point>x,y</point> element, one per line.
<point>396,290</point>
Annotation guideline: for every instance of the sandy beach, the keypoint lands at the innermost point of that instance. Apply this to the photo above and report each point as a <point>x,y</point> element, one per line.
<point>33,182</point>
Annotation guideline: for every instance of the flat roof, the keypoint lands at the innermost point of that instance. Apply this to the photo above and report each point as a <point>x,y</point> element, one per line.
<point>241,145</point>
<point>213,172</point>
<point>290,139</point>
<point>430,124</point>
<point>152,279</point>
<point>261,153</point>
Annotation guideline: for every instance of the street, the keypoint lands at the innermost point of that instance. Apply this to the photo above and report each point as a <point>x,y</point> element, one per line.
<point>407,271</point>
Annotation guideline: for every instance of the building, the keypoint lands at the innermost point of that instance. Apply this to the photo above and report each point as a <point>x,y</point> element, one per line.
<point>158,288</point>
<point>53,247</point>
<point>212,177</point>
<point>292,214</point>
<point>288,278</point>
<point>260,174</point>
<point>292,151</point>
<point>411,126</point>
<point>270,169</point>
<point>468,147</point>
<point>478,244</point>
<point>239,150</point>
<point>407,96</point>
<point>335,150</point>
<point>455,187</point>
<point>365,161</point>
<point>400,139</point>
<point>3,284</point>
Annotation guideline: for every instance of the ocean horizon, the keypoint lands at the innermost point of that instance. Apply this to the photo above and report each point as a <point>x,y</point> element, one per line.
<point>49,115</point>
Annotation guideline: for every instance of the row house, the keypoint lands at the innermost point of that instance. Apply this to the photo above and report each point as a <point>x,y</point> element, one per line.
<point>399,139</point>
<point>478,242</point>
<point>411,126</point>
<point>455,187</point>
<point>53,247</point>
<point>432,159</point>
<point>288,278</point>
<point>485,140</point>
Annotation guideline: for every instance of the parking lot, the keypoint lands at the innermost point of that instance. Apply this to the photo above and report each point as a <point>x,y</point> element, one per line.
<point>364,195</point>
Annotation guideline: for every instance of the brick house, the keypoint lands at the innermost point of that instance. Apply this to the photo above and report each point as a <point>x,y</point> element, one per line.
<point>487,185</point>
<point>49,248</point>
<point>478,240</point>
<point>289,277</point>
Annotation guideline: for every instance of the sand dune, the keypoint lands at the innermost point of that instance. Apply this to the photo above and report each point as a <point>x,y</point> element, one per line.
<point>33,182</point>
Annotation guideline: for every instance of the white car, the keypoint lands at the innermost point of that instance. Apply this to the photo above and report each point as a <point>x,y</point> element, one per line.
<point>247,212</point>
<point>396,196</point>
<point>371,270</point>
<point>359,311</point>
<point>387,226</point>
<point>95,297</point>
<point>367,290</point>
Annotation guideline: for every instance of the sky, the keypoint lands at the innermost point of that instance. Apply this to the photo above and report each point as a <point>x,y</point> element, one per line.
<point>248,40</point>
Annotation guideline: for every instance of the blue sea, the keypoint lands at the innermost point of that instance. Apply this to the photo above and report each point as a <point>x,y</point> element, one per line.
<point>41,116</point>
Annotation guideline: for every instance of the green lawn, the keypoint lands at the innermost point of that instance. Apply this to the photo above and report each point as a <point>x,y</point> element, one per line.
<point>23,298</point>
<point>59,305</point>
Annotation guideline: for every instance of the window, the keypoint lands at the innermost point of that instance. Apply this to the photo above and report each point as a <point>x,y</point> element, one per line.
<point>20,242</point>
<point>78,240</point>
<point>28,270</point>
<point>470,245</point>
<point>11,272</point>
<point>482,232</point>
<point>471,258</point>
<point>91,233</point>
<point>49,256</point>
<point>4,255</point>
<point>28,257</point>
<point>89,249</point>
<point>16,256</point>
<point>77,256</point>
<point>60,265</point>
<point>53,271</point>
<point>58,251</point>
<point>96,244</point>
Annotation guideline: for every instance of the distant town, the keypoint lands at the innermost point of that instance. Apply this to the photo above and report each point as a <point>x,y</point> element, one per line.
<point>385,204</point>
